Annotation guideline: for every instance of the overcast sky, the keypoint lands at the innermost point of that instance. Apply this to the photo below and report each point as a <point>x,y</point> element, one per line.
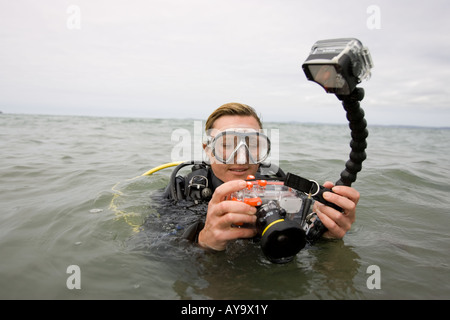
<point>184,58</point>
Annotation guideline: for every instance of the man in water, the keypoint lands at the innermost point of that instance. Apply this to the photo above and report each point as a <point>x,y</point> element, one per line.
<point>236,149</point>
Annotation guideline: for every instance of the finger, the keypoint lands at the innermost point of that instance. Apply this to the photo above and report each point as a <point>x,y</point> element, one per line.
<point>229,227</point>
<point>328,184</point>
<point>237,219</point>
<point>237,233</point>
<point>330,213</point>
<point>240,233</point>
<point>347,192</point>
<point>225,207</point>
<point>226,189</point>
<point>345,203</point>
<point>336,223</point>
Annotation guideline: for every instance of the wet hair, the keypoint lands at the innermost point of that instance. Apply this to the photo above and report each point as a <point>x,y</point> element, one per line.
<point>231,109</point>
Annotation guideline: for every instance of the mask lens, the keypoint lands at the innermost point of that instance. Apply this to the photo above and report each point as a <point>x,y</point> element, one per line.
<point>227,144</point>
<point>258,147</point>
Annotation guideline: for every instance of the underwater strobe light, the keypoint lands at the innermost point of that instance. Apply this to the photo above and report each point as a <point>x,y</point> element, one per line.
<point>338,65</point>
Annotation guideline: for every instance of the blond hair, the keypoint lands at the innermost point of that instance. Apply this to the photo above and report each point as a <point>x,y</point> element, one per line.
<point>231,109</point>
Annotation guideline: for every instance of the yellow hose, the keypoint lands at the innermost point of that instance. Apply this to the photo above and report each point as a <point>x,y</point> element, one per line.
<point>163,166</point>
<point>133,218</point>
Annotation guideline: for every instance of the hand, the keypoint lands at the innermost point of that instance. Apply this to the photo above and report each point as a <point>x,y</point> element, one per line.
<point>223,216</point>
<point>337,223</point>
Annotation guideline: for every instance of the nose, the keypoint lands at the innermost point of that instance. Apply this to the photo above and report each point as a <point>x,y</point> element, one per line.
<point>241,156</point>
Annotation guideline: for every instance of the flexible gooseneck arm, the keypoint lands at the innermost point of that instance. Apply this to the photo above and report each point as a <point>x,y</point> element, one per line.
<point>358,144</point>
<point>359,133</point>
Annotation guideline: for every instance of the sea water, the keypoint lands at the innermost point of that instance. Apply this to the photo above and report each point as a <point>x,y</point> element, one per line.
<point>79,221</point>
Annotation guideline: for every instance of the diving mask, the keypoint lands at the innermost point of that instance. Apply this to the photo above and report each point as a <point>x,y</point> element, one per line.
<point>231,143</point>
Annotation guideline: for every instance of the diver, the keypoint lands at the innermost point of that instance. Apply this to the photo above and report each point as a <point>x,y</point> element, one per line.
<point>236,148</point>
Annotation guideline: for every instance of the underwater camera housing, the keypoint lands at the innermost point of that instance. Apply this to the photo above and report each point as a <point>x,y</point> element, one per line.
<point>281,237</point>
<point>338,65</point>
<point>282,208</point>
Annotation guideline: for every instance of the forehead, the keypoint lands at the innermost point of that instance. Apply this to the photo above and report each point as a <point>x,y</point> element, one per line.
<point>231,121</point>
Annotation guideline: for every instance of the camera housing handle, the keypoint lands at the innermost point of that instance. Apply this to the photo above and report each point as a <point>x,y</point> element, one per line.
<point>310,187</point>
